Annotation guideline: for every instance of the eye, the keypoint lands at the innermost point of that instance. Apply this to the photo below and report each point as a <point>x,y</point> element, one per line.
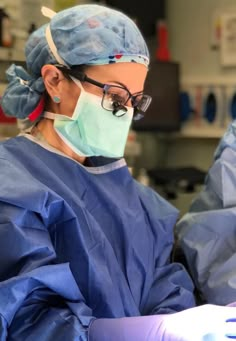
<point>117,94</point>
<point>116,98</point>
<point>114,94</point>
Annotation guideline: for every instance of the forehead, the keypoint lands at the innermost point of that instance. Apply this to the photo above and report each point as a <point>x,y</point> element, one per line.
<point>132,75</point>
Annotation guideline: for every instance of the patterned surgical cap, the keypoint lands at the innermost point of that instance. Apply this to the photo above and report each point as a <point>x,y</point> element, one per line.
<point>81,35</point>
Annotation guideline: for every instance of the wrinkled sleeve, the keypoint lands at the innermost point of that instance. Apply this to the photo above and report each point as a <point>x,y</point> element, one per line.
<point>37,296</point>
<point>207,233</point>
<point>172,288</point>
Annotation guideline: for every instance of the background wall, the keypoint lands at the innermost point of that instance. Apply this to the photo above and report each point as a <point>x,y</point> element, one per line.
<point>190,25</point>
<point>191,28</point>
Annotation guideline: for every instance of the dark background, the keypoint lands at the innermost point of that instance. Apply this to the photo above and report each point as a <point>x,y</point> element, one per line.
<point>145,12</point>
<point>163,85</point>
<point>162,82</point>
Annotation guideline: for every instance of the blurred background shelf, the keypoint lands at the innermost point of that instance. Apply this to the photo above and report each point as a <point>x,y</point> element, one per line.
<point>201,131</point>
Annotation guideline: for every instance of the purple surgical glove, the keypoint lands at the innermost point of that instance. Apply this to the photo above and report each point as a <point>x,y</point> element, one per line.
<point>204,323</point>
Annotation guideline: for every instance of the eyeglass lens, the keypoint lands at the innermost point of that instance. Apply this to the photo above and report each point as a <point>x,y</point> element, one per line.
<point>121,96</point>
<point>114,94</point>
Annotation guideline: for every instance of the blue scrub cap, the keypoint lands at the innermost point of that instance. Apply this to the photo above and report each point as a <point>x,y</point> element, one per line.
<point>81,35</point>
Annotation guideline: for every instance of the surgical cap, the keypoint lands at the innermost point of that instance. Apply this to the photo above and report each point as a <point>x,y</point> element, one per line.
<point>81,35</point>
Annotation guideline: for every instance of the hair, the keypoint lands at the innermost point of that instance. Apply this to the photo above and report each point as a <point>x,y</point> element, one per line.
<point>66,73</point>
<point>78,68</point>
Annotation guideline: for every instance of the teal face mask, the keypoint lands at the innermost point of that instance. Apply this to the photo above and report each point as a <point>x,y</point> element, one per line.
<point>92,130</point>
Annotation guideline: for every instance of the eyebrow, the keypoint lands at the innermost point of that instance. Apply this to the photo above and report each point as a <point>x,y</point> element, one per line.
<point>74,71</point>
<point>123,85</point>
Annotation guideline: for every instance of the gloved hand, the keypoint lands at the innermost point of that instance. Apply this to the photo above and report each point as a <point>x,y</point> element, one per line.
<point>203,323</point>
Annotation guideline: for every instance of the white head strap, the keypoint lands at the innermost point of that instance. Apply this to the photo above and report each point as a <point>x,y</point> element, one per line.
<point>47,12</point>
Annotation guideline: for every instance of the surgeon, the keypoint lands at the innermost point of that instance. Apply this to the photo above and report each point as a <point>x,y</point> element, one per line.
<point>207,233</point>
<point>84,248</point>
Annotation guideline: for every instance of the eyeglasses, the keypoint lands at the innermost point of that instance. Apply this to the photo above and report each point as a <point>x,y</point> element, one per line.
<point>115,97</point>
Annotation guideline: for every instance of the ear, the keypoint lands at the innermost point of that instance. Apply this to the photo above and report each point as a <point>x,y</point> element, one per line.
<point>52,78</point>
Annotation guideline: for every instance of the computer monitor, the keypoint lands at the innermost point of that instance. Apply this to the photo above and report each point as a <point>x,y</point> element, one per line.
<point>163,85</point>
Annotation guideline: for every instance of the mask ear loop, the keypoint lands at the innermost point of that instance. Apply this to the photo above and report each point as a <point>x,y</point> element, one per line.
<point>47,12</point>
<point>77,82</point>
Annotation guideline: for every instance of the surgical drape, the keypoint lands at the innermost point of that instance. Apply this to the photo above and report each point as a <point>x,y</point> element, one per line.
<point>207,234</point>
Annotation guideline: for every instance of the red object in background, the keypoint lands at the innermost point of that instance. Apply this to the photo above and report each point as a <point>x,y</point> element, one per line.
<point>6,119</point>
<point>162,51</point>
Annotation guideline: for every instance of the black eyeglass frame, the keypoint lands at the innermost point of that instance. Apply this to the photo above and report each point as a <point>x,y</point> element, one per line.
<point>81,76</point>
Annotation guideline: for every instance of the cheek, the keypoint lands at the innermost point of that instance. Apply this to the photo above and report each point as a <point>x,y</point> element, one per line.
<point>70,101</point>
<point>92,89</point>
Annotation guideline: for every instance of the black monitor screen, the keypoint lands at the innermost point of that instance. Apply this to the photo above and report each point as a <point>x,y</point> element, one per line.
<point>146,13</point>
<point>163,85</point>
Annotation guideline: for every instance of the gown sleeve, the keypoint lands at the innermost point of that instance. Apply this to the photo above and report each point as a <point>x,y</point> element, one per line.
<point>207,233</point>
<point>37,296</point>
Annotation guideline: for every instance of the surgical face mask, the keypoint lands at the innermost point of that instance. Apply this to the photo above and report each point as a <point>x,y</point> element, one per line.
<point>92,130</point>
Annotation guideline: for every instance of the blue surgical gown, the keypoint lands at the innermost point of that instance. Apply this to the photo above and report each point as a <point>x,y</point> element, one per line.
<point>79,243</point>
<point>207,233</point>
